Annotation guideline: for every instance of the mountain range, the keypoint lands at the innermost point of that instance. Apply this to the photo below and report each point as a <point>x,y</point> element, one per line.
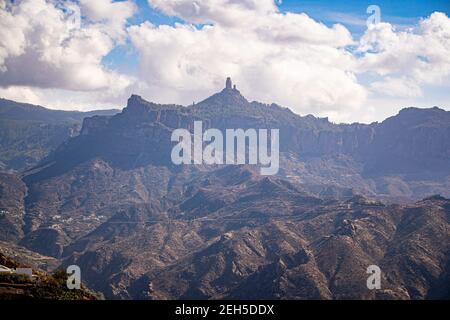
<point>29,132</point>
<point>107,197</point>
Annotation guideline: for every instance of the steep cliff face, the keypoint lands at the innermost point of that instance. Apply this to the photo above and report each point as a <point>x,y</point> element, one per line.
<point>403,158</point>
<point>413,142</point>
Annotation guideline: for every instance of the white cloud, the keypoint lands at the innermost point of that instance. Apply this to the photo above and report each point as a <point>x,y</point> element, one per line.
<point>39,47</point>
<point>12,36</point>
<point>260,17</point>
<point>62,99</point>
<point>397,87</point>
<point>22,94</point>
<point>421,54</point>
<point>113,15</point>
<point>288,58</point>
<point>222,12</point>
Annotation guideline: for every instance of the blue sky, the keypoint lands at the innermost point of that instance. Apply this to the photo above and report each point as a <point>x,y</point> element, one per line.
<point>399,12</point>
<point>351,13</point>
<point>394,11</point>
<point>328,11</point>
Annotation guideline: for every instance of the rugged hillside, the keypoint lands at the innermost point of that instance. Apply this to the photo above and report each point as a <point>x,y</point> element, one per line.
<point>230,233</point>
<point>414,142</point>
<point>43,286</point>
<point>29,133</point>
<point>111,201</point>
<point>12,207</point>
<point>234,234</point>
<point>263,238</point>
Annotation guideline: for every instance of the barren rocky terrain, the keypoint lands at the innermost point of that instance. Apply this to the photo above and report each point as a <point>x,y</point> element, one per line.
<point>347,196</point>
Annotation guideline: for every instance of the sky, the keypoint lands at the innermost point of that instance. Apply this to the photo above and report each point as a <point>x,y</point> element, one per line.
<point>350,61</point>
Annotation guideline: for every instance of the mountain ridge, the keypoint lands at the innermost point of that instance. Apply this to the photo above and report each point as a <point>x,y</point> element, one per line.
<point>410,145</point>
<point>30,132</point>
<point>110,200</point>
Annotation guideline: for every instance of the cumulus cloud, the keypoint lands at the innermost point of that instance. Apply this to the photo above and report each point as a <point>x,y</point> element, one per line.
<point>222,12</point>
<point>411,58</point>
<point>63,99</point>
<point>397,87</point>
<point>287,57</point>
<point>113,15</point>
<point>41,46</point>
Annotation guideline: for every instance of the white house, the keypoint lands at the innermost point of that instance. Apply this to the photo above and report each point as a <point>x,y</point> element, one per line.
<point>24,271</point>
<point>19,271</point>
<point>4,269</point>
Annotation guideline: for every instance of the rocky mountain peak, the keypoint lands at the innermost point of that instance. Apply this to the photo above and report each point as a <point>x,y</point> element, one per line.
<point>228,83</point>
<point>135,98</point>
<point>230,87</point>
<point>230,96</point>
<point>140,109</point>
<point>429,116</point>
<point>137,103</point>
